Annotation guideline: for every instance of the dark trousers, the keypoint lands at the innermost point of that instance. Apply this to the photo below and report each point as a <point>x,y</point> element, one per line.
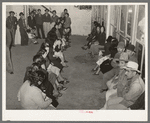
<point>9,39</point>
<point>42,31</point>
<point>24,37</point>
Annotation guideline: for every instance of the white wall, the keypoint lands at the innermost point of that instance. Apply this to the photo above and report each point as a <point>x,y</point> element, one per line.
<point>81,19</point>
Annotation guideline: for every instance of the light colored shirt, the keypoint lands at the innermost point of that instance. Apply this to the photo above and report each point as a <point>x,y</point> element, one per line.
<point>31,97</point>
<point>136,88</point>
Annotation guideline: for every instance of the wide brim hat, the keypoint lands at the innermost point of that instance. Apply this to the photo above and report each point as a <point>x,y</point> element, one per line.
<point>132,66</point>
<point>121,44</point>
<point>21,13</point>
<point>11,12</point>
<point>123,57</point>
<point>130,47</point>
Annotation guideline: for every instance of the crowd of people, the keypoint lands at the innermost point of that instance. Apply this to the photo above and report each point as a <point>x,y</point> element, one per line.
<point>30,31</point>
<point>117,61</point>
<point>43,82</point>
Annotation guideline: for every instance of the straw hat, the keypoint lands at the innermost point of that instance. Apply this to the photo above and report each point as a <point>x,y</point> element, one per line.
<point>132,66</point>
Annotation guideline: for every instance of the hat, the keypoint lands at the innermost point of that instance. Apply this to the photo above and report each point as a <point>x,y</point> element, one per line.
<point>123,56</point>
<point>130,47</point>
<point>21,13</point>
<point>11,12</point>
<point>109,38</point>
<point>121,45</point>
<point>117,56</point>
<point>132,66</point>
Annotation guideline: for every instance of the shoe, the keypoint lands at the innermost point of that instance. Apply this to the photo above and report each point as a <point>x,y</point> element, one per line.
<point>66,82</point>
<point>96,74</point>
<point>11,72</point>
<point>61,82</point>
<point>102,90</point>
<point>93,70</point>
<point>66,61</point>
<point>64,88</point>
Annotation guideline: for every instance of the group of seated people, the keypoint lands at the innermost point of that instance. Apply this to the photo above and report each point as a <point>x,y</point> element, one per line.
<point>43,81</point>
<point>117,61</point>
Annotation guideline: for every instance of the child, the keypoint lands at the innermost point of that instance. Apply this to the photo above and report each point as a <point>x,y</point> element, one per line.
<point>31,36</point>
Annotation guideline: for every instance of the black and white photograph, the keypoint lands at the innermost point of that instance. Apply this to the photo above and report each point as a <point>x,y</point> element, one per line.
<point>74,61</point>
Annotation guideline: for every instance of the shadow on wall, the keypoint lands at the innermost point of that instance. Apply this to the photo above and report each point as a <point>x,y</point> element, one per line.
<point>81,19</point>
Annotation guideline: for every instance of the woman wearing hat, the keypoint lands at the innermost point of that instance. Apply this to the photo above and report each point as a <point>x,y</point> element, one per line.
<point>23,33</point>
<point>132,90</point>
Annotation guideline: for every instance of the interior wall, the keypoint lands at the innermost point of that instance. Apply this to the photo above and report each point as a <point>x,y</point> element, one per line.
<point>81,19</point>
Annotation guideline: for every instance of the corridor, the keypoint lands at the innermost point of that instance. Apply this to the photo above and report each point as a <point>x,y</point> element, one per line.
<point>82,91</point>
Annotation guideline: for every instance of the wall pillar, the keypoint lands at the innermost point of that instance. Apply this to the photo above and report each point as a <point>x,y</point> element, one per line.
<point>108,22</point>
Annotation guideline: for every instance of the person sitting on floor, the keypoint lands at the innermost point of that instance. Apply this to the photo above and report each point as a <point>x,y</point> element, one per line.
<point>132,91</point>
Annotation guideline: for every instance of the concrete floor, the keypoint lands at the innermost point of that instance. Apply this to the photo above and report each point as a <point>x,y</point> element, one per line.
<point>83,89</point>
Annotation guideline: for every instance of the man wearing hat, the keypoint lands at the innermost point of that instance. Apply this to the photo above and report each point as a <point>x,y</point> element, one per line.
<point>47,20</point>
<point>130,50</point>
<point>39,23</point>
<point>11,25</point>
<point>31,21</point>
<point>132,90</point>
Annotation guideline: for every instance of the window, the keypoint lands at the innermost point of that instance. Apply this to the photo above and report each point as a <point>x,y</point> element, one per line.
<point>139,49</point>
<point>123,19</point>
<point>130,19</point>
<point>141,23</point>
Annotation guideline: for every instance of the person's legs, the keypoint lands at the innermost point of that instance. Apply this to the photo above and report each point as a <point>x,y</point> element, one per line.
<point>106,77</point>
<point>44,28</point>
<point>9,65</point>
<point>42,31</point>
<point>37,26</point>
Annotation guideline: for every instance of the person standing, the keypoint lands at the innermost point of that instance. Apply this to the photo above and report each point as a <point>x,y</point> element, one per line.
<point>63,13</point>
<point>67,23</point>
<point>22,25</point>
<point>9,65</point>
<point>46,22</point>
<point>11,25</point>
<point>54,16</point>
<point>31,21</point>
<point>39,23</point>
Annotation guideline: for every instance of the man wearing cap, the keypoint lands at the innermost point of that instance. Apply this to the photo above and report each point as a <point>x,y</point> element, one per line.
<point>115,66</point>
<point>47,20</point>
<point>11,25</point>
<point>39,23</point>
<point>132,90</point>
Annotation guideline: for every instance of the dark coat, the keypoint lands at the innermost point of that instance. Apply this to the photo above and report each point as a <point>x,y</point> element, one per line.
<point>11,22</point>
<point>31,22</point>
<point>51,36</point>
<point>54,60</point>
